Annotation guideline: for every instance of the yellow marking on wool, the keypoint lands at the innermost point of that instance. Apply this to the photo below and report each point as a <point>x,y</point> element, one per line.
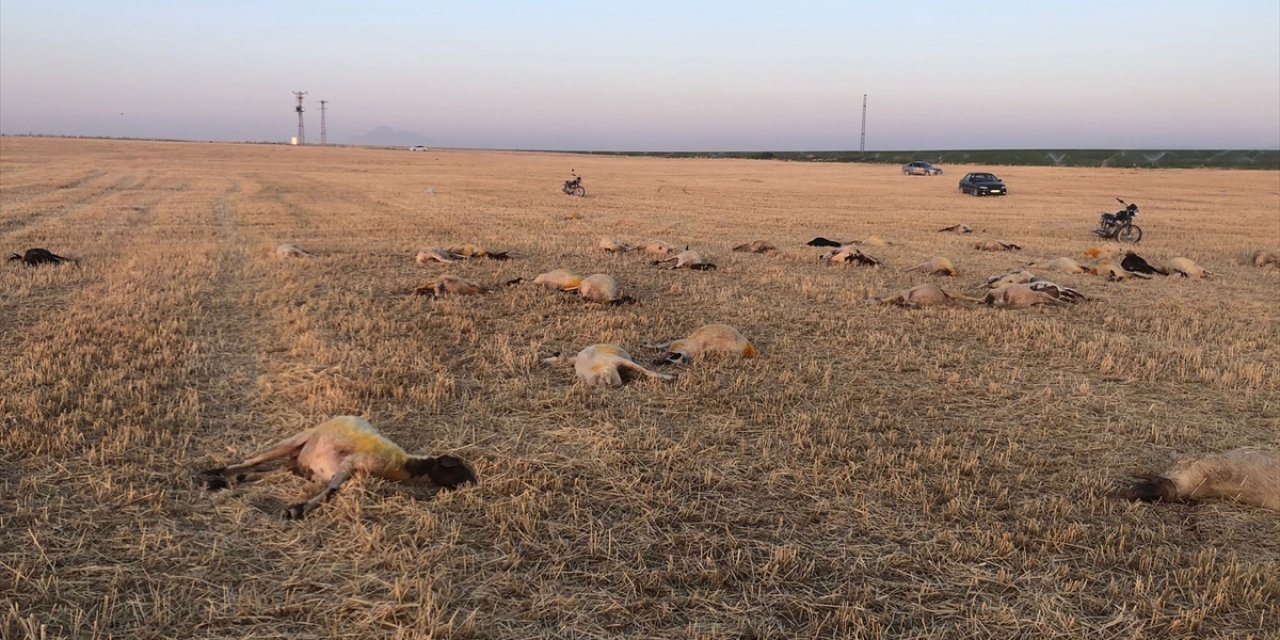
<point>350,432</point>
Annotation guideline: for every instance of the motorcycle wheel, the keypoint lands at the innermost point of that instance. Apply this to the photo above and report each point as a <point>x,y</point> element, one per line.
<point>580,192</point>
<point>1130,233</point>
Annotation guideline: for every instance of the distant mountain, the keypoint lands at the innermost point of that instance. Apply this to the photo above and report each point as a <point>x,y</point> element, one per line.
<point>388,137</point>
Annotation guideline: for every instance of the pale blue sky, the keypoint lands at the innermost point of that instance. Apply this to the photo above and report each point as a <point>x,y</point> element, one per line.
<point>652,75</point>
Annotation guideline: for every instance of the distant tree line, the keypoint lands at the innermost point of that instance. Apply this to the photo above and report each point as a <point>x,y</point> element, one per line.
<point>1147,158</point>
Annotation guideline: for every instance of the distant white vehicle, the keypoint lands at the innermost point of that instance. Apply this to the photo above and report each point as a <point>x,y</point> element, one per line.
<point>417,147</point>
<point>920,168</point>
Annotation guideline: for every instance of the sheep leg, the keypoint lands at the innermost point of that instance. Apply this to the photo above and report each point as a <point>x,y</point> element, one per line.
<point>217,478</point>
<point>636,368</point>
<point>301,509</point>
<point>214,481</point>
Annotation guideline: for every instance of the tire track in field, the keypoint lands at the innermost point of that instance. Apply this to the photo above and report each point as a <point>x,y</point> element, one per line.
<point>227,375</point>
<point>100,368</point>
<point>299,373</point>
<point>106,397</point>
<point>13,194</point>
<point>35,294</point>
<point>288,195</point>
<point>49,214</point>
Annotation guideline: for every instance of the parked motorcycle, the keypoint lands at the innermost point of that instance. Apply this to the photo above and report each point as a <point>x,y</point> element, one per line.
<point>1119,225</point>
<point>574,187</point>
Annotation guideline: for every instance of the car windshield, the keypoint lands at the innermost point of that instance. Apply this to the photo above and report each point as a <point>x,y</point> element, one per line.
<point>983,177</point>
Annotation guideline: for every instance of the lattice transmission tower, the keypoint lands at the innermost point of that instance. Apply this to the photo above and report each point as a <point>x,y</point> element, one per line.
<point>301,132</point>
<point>862,145</point>
<point>324,133</point>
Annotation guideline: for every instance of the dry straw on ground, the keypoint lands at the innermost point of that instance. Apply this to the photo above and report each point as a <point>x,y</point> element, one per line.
<point>875,472</point>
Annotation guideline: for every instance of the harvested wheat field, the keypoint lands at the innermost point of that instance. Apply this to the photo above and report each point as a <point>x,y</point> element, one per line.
<point>875,471</point>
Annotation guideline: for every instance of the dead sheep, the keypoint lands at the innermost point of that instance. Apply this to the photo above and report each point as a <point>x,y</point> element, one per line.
<point>1114,272</point>
<point>606,365</point>
<point>1017,277</point>
<point>824,242</point>
<point>1185,267</point>
<point>957,228</point>
<point>756,246</point>
<point>711,338</point>
<point>935,266</point>
<point>655,248</point>
<point>1248,476</point>
<point>287,251</point>
<point>602,288</point>
<point>848,254</point>
<point>476,251</point>
<point>1062,265</point>
<point>1035,293</point>
<point>454,286</point>
<point>437,254</point>
<point>1264,257</point>
<point>996,245</point>
<point>37,257</point>
<point>688,259</point>
<point>1106,251</point>
<point>559,279</point>
<point>335,451</point>
<point>924,295</point>
<point>613,246</point>
<point>1135,263</point>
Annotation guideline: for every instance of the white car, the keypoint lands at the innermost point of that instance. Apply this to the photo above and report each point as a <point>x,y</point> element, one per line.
<point>918,168</point>
<point>417,147</point>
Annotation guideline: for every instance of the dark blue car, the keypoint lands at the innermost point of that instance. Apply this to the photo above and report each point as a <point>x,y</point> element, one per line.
<point>983,184</point>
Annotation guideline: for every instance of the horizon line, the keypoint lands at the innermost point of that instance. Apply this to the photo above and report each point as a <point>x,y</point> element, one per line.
<point>623,151</point>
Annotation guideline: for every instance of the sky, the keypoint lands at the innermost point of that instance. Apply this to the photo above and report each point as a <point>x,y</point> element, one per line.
<point>652,75</point>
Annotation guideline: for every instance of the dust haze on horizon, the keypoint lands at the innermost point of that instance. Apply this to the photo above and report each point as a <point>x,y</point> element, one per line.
<point>651,76</point>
